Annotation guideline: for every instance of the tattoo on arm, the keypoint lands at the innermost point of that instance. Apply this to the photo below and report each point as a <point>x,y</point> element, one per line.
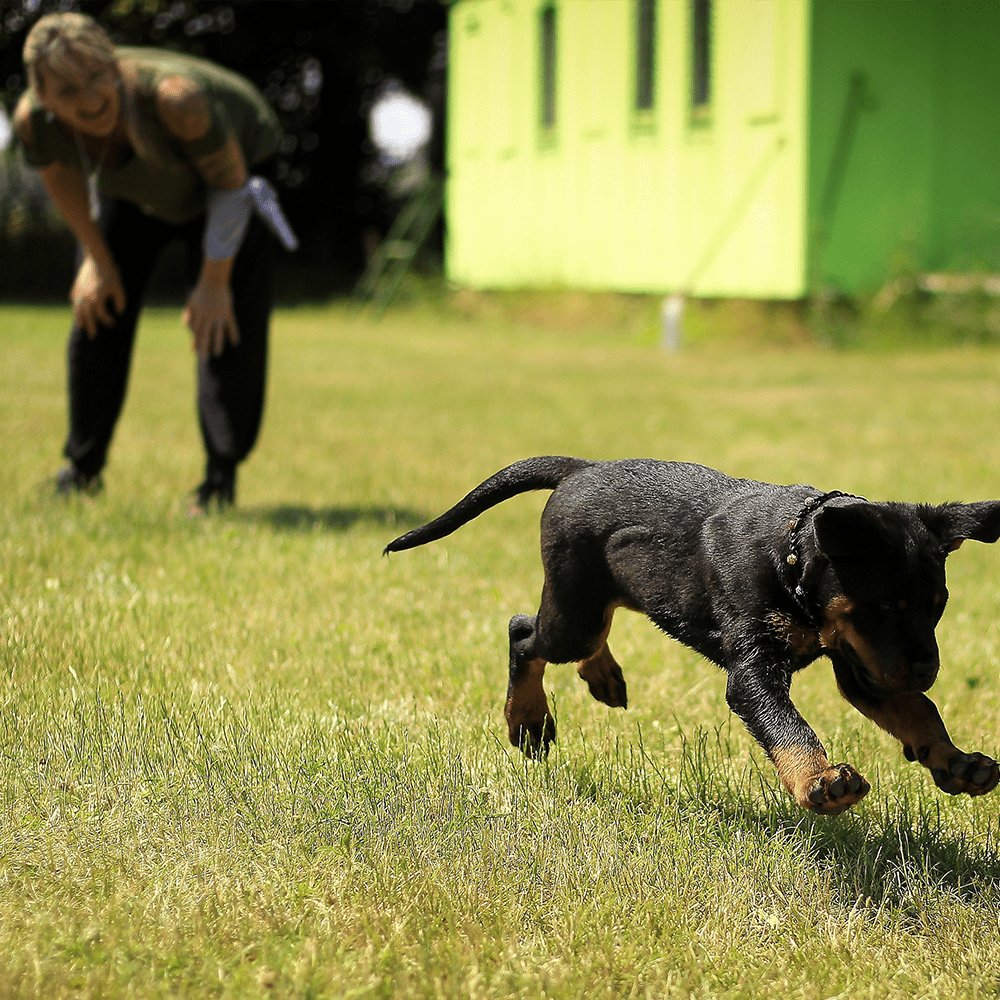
<point>225,167</point>
<point>185,114</point>
<point>182,108</point>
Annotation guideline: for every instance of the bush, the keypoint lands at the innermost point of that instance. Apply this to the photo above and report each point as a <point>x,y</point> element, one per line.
<point>35,245</point>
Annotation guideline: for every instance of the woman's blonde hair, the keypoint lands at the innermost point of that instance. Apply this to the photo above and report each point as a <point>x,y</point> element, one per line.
<point>68,46</point>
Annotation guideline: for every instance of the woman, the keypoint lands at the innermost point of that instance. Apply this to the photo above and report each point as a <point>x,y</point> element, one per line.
<point>138,147</point>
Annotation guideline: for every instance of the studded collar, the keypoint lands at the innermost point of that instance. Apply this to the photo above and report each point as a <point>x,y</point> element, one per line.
<point>794,527</point>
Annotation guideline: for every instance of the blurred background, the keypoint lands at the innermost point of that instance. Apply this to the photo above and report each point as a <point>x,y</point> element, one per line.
<point>813,169</point>
<point>324,66</point>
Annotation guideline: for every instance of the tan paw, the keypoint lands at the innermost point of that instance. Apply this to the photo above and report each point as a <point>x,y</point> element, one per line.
<point>532,736</point>
<point>835,790</point>
<point>971,773</point>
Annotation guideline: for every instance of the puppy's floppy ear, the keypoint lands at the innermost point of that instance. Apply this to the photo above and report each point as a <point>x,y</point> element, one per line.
<point>849,533</point>
<point>954,522</point>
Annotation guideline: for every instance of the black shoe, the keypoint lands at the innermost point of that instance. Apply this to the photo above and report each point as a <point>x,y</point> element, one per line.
<point>218,491</point>
<point>70,481</point>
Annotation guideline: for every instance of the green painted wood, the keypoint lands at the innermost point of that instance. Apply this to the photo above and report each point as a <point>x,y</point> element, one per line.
<point>845,142</point>
<point>903,171</point>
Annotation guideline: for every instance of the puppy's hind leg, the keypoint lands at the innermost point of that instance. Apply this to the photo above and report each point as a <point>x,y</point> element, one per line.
<point>601,670</point>
<point>529,722</point>
<point>572,624</point>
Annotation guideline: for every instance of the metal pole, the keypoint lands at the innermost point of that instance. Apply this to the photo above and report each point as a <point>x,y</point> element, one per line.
<point>672,323</point>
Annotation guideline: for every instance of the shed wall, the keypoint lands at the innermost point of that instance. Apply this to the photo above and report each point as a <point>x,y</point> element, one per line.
<point>616,199</point>
<point>903,149</point>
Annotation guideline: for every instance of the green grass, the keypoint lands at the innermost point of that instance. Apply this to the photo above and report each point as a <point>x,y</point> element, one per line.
<point>250,756</point>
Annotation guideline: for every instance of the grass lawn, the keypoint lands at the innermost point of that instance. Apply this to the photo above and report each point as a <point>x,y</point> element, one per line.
<point>250,756</point>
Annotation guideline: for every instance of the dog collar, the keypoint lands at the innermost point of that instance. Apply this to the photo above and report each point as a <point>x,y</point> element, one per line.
<point>795,525</point>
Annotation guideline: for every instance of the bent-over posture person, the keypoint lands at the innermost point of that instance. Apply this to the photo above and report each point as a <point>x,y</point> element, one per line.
<point>138,147</point>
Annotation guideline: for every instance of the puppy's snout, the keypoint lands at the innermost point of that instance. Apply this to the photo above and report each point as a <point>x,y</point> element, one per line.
<point>924,674</point>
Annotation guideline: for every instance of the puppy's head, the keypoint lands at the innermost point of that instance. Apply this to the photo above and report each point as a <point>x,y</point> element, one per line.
<point>889,591</point>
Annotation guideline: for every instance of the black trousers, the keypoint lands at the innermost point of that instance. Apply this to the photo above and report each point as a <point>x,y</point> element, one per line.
<point>231,386</point>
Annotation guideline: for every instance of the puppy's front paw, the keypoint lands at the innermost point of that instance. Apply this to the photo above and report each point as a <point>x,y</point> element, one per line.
<point>971,773</point>
<point>835,790</point>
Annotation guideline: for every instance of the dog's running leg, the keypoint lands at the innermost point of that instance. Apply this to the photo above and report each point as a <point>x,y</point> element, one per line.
<point>572,624</point>
<point>915,721</point>
<point>601,671</point>
<point>529,722</point>
<point>759,694</point>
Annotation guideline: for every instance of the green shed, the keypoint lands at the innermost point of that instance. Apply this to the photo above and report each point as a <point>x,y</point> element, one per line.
<point>760,148</point>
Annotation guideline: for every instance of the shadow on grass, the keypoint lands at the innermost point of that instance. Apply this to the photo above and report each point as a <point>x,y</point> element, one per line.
<point>893,855</point>
<point>889,851</point>
<point>295,517</point>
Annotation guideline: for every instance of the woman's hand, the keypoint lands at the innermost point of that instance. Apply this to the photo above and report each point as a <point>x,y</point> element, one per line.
<point>92,290</point>
<point>97,293</point>
<point>209,312</point>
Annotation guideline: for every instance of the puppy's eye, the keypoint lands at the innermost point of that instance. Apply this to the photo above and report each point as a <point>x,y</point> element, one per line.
<point>885,607</point>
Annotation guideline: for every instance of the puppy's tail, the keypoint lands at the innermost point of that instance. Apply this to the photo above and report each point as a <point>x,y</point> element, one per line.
<point>530,474</point>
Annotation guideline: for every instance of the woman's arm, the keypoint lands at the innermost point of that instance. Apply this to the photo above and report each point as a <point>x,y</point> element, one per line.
<point>98,279</point>
<point>185,114</point>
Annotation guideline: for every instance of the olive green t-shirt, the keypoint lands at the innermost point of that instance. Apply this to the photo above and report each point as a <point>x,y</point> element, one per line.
<point>161,177</point>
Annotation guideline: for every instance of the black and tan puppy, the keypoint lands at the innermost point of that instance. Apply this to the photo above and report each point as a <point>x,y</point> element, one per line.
<point>760,579</point>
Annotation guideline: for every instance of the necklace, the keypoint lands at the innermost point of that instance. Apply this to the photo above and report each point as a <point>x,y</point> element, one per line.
<point>93,175</point>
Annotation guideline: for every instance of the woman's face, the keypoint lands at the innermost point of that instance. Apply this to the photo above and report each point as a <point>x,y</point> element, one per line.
<point>89,105</point>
